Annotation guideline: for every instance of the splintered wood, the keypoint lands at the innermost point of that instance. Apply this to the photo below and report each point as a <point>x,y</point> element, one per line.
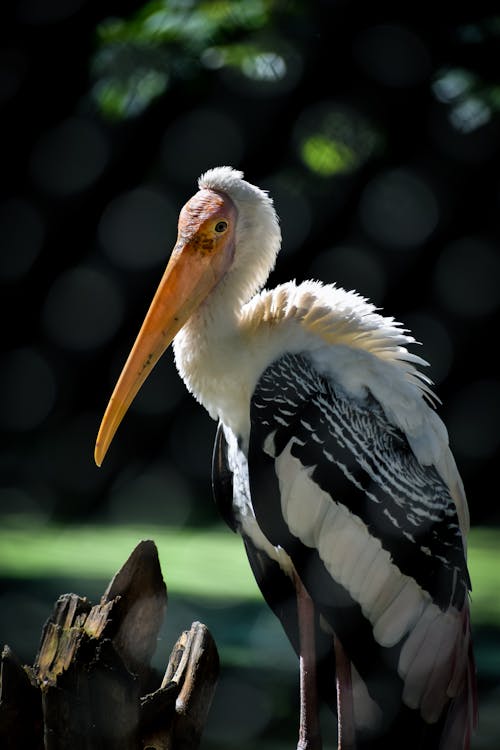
<point>92,686</point>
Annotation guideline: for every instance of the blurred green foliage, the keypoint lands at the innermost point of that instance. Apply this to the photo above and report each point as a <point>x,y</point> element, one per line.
<point>136,59</point>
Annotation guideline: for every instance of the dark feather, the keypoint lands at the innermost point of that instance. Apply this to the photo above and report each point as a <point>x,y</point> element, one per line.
<point>365,464</point>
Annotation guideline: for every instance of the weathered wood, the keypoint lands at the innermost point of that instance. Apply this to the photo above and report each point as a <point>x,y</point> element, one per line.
<point>61,637</point>
<point>190,679</point>
<point>140,594</point>
<point>94,703</point>
<point>197,675</point>
<point>93,665</point>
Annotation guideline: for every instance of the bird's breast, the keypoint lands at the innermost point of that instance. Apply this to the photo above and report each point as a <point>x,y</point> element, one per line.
<point>219,372</point>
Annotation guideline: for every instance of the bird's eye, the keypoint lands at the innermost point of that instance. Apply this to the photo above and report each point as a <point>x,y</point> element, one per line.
<point>221,226</point>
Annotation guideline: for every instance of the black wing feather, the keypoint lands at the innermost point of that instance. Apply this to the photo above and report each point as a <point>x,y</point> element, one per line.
<point>276,587</point>
<point>365,463</point>
<point>222,480</point>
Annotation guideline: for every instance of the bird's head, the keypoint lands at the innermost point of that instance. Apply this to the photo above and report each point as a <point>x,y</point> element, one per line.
<point>228,234</point>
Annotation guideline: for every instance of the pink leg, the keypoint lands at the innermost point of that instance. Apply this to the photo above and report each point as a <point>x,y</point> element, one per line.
<point>345,713</point>
<point>309,729</point>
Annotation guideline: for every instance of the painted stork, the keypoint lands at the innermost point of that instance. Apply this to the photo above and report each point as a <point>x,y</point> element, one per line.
<point>334,467</point>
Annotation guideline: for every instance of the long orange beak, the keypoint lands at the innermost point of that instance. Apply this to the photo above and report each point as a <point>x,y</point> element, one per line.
<point>202,255</point>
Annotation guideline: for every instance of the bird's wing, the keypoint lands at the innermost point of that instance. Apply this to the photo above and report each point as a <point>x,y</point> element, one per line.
<point>222,479</point>
<point>276,586</point>
<point>372,532</point>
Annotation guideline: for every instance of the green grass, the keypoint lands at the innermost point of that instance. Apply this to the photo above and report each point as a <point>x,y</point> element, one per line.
<point>207,563</point>
<point>484,567</point>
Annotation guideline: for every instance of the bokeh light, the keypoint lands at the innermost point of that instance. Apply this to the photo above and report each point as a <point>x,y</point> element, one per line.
<point>83,309</point>
<point>70,157</point>
<point>333,138</point>
<point>265,66</point>
<point>467,277</point>
<point>399,209</point>
<point>27,389</point>
<point>472,101</point>
<point>463,132</point>
<point>470,114</point>
<point>138,228</point>
<point>262,67</point>
<point>450,84</point>
<point>22,232</point>
<point>123,99</point>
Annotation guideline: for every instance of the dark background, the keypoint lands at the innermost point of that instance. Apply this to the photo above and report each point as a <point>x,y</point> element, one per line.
<point>376,129</point>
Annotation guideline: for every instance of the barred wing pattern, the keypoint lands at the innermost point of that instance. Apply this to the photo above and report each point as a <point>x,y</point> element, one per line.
<point>375,538</point>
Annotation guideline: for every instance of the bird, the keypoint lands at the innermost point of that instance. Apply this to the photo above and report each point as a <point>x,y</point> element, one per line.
<point>332,463</point>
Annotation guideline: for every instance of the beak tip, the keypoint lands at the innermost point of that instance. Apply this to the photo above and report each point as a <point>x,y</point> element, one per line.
<point>98,456</point>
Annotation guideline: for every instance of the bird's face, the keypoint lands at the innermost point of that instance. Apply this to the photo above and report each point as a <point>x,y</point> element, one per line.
<point>207,230</point>
<point>201,257</point>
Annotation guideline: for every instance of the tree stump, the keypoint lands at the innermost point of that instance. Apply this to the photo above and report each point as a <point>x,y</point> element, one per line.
<point>92,685</point>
